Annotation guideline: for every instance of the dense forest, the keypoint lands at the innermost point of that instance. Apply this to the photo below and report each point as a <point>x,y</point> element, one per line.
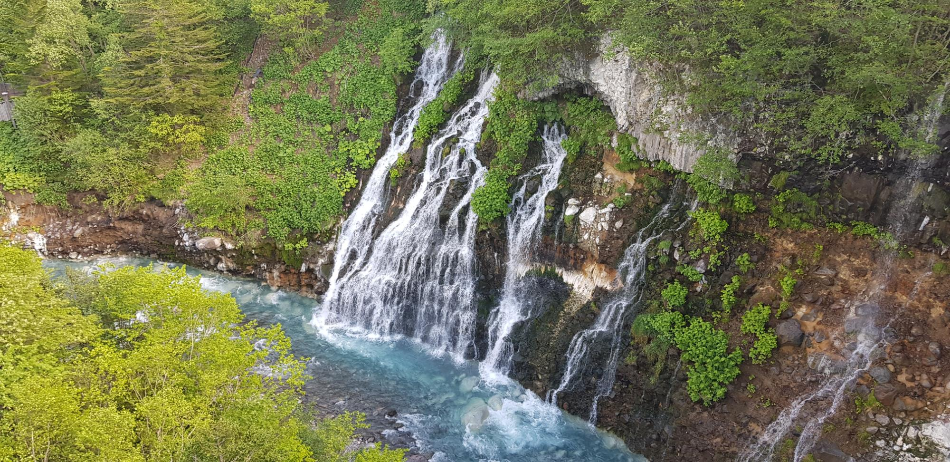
<point>134,99</point>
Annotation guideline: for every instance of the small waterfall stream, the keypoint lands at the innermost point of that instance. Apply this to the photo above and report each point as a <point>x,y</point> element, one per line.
<point>608,327</point>
<point>811,410</point>
<point>523,233</point>
<point>419,277</point>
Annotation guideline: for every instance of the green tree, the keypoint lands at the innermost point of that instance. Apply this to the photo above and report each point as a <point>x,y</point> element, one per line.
<point>133,364</point>
<point>287,19</point>
<point>172,60</point>
<point>527,39</point>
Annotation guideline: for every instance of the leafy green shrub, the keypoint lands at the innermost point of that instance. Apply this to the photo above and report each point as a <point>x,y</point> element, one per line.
<point>16,170</point>
<point>794,209</point>
<point>592,124</point>
<point>862,229</point>
<point>573,148</point>
<point>396,172</point>
<point>941,269</point>
<point>744,262</point>
<point>703,347</point>
<point>94,370</point>
<point>742,203</point>
<point>691,273</point>
<point>628,148</point>
<point>728,295</point>
<point>709,225</point>
<point>706,191</point>
<point>754,322</point>
<point>664,166</point>
<point>437,111</point>
<point>712,171</point>
<point>621,201</point>
<point>490,201</point>
<point>675,294</point>
<point>837,227</point>
<point>788,283</point>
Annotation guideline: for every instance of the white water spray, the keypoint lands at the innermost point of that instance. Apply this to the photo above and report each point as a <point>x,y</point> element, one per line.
<point>523,232</point>
<point>356,235</point>
<point>418,279</point>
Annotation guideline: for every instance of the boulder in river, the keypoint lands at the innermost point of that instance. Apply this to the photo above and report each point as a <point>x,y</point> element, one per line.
<point>474,414</point>
<point>468,384</point>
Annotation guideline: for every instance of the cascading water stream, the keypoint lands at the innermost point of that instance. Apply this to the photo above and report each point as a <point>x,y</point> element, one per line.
<point>808,410</point>
<point>523,232</point>
<point>418,279</point>
<point>356,234</point>
<point>608,327</point>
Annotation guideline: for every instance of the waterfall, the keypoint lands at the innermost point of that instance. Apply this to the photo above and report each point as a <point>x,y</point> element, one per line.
<point>523,232</point>
<point>810,410</point>
<point>356,234</point>
<point>608,327</point>
<point>417,279</point>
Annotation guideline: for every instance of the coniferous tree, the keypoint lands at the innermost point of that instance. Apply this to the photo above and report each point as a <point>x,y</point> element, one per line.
<point>171,61</point>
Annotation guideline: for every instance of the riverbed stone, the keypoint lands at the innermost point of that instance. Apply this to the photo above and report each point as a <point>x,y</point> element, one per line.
<point>880,374</point>
<point>474,414</point>
<point>826,451</point>
<point>496,402</point>
<point>468,384</point>
<point>886,393</point>
<point>208,243</point>
<point>934,348</point>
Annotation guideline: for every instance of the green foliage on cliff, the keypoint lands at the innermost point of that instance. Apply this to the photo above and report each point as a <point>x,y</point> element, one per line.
<point>794,209</point>
<point>709,225</point>
<point>437,112</point>
<point>512,126</point>
<point>754,322</point>
<point>132,364</point>
<point>675,294</point>
<point>705,350</point>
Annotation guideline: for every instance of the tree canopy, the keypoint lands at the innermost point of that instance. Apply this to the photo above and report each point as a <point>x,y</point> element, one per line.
<point>134,364</point>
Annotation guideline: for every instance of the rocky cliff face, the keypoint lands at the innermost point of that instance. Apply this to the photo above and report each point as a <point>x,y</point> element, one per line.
<point>663,124</point>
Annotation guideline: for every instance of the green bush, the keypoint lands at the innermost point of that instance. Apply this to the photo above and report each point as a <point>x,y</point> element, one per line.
<point>705,350</point>
<point>437,112</point>
<point>713,170</point>
<point>743,204</point>
<point>512,125</point>
<point>691,273</point>
<point>794,209</point>
<point>675,294</point>
<point>754,322</point>
<point>93,381</point>
<point>709,225</point>
<point>728,295</point>
<point>744,262</point>
<point>788,283</point>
